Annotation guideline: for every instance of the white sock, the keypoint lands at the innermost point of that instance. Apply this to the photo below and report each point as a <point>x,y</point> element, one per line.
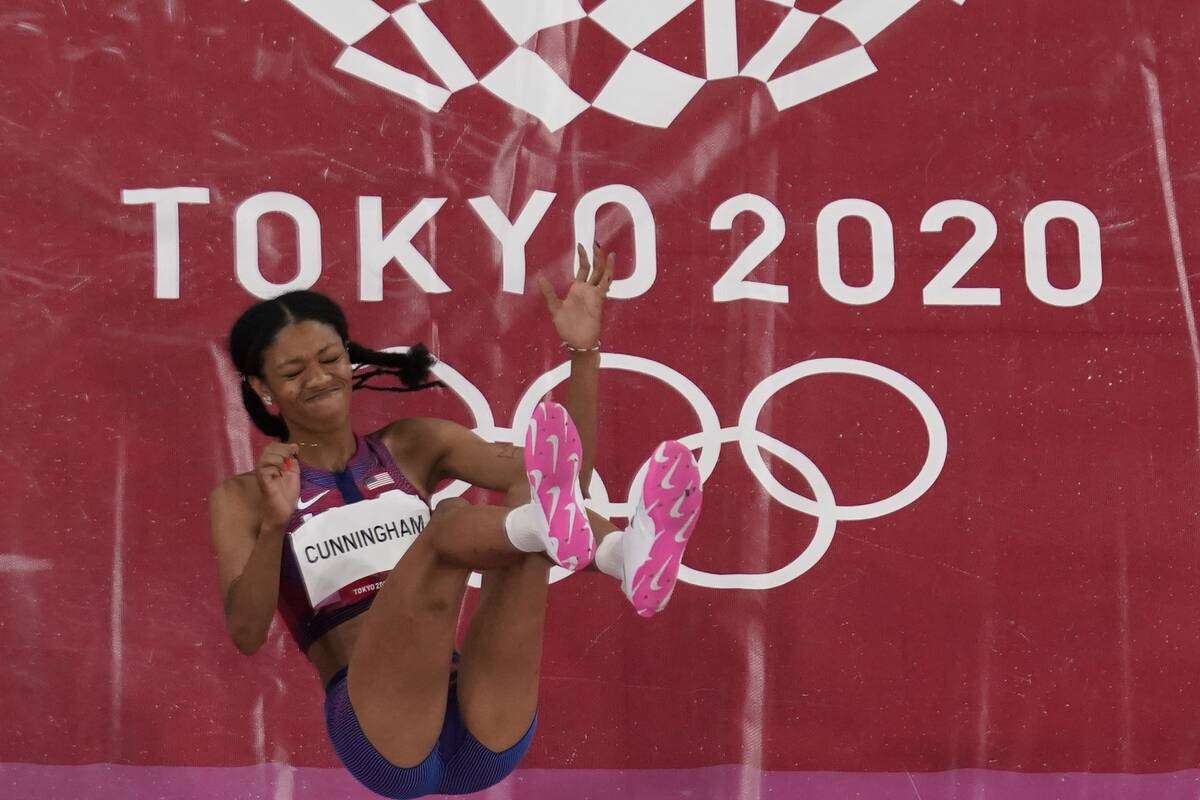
<point>609,558</point>
<point>526,528</point>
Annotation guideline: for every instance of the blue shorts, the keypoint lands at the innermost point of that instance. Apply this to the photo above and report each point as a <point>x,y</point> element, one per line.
<point>458,764</point>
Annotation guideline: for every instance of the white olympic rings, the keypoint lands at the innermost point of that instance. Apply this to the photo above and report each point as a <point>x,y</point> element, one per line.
<point>709,440</point>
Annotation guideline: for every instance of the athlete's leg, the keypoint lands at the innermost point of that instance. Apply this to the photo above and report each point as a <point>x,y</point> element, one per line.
<point>501,656</point>
<point>399,669</point>
<point>501,660</point>
<point>498,678</point>
<point>398,672</point>
<point>502,653</point>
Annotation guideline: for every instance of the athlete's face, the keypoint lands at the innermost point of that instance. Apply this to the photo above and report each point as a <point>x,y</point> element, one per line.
<point>307,373</point>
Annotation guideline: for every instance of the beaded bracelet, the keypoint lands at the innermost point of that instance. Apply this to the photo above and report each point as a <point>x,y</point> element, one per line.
<point>574,349</point>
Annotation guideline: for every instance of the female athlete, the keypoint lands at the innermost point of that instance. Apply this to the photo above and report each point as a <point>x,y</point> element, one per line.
<point>335,530</point>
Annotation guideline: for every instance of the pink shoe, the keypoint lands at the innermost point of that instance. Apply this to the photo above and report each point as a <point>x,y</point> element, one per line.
<point>552,458</point>
<point>660,527</point>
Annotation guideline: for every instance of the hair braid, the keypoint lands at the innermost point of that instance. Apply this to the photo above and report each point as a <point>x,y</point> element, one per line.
<point>411,368</point>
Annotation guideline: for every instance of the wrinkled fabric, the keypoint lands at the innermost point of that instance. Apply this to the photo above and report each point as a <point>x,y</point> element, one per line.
<point>916,280</point>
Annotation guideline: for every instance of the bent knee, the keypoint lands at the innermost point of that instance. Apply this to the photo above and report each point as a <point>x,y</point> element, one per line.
<point>446,519</point>
<point>450,507</point>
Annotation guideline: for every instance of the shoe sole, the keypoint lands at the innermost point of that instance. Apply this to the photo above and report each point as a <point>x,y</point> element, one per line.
<point>553,454</point>
<point>672,493</point>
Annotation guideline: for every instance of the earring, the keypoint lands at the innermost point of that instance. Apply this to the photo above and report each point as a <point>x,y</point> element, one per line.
<point>267,399</point>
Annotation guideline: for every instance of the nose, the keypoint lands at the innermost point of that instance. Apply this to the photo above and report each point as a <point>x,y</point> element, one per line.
<point>316,375</point>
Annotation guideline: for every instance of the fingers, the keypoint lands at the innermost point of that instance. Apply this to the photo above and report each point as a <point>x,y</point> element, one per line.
<point>278,452</point>
<point>584,266</point>
<point>607,278</point>
<point>277,458</point>
<point>596,271</point>
<point>598,262</point>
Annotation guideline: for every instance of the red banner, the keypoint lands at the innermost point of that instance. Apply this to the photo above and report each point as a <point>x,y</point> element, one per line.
<point>914,279</point>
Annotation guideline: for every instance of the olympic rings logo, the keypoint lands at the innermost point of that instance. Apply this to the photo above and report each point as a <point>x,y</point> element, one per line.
<point>712,436</point>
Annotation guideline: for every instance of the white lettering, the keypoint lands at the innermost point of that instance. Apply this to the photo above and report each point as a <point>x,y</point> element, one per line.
<point>645,244</point>
<point>1037,270</point>
<point>829,255</point>
<point>513,236</point>
<point>308,235</point>
<point>733,284</point>
<point>376,251</point>
<point>166,204</point>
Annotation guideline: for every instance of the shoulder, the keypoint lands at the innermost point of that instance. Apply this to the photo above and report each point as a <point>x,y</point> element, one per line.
<point>420,446</point>
<point>413,435</point>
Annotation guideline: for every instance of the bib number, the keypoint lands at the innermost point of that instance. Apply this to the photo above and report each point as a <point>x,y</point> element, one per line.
<point>347,544</point>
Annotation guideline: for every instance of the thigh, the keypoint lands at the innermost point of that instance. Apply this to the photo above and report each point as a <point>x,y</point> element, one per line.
<point>399,668</point>
<point>469,766</point>
<point>501,658</point>
<point>364,761</point>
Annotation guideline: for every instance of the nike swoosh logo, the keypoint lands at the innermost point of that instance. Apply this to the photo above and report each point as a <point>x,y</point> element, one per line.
<point>574,459</point>
<point>658,457</point>
<point>677,509</point>
<point>554,492</point>
<point>658,576</point>
<point>666,481</point>
<point>553,440</point>
<point>681,536</point>
<point>571,529</point>
<point>303,504</point>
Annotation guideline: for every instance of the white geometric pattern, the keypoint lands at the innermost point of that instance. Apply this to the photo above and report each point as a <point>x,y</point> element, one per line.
<point>647,91</point>
<point>527,82</point>
<point>641,89</point>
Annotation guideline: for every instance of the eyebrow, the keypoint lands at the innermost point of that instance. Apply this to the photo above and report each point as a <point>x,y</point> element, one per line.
<point>300,359</point>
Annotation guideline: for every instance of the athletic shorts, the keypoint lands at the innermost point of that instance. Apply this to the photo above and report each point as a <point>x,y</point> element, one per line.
<point>458,764</point>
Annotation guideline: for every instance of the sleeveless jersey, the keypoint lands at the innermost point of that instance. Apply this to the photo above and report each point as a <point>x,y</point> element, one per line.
<point>347,533</point>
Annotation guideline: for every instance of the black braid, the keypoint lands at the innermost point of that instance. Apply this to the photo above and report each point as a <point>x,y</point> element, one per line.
<point>411,368</point>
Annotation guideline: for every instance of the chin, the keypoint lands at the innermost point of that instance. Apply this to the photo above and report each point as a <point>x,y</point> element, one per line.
<point>329,411</point>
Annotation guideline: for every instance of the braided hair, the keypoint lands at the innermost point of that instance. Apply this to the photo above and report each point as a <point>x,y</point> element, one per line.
<point>255,329</point>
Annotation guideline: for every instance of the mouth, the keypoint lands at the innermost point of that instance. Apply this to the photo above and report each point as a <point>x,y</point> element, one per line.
<point>324,394</point>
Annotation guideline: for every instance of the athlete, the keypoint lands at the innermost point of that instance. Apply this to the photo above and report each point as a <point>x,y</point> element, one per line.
<point>336,531</point>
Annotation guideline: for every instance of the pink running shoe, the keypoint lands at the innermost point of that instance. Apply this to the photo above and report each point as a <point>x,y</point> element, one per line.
<point>552,458</point>
<point>659,529</point>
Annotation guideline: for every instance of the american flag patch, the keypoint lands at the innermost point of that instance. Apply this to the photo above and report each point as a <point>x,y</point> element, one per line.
<point>377,480</point>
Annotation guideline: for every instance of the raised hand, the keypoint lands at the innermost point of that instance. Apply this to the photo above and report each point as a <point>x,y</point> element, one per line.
<point>577,316</point>
<point>278,474</point>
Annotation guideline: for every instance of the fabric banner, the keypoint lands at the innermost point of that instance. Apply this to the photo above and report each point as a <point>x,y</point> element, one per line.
<point>915,280</point>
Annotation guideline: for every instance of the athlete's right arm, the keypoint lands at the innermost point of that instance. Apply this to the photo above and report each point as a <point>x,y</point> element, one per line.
<point>249,517</point>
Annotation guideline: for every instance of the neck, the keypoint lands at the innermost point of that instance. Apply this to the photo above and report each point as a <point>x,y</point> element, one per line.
<point>327,450</point>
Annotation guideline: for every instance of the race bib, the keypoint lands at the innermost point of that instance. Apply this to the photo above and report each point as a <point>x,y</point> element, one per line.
<point>346,544</point>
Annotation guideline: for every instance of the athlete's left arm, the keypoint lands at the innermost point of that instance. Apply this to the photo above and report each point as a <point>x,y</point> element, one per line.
<point>577,319</point>
<point>435,450</point>
<point>461,454</point>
